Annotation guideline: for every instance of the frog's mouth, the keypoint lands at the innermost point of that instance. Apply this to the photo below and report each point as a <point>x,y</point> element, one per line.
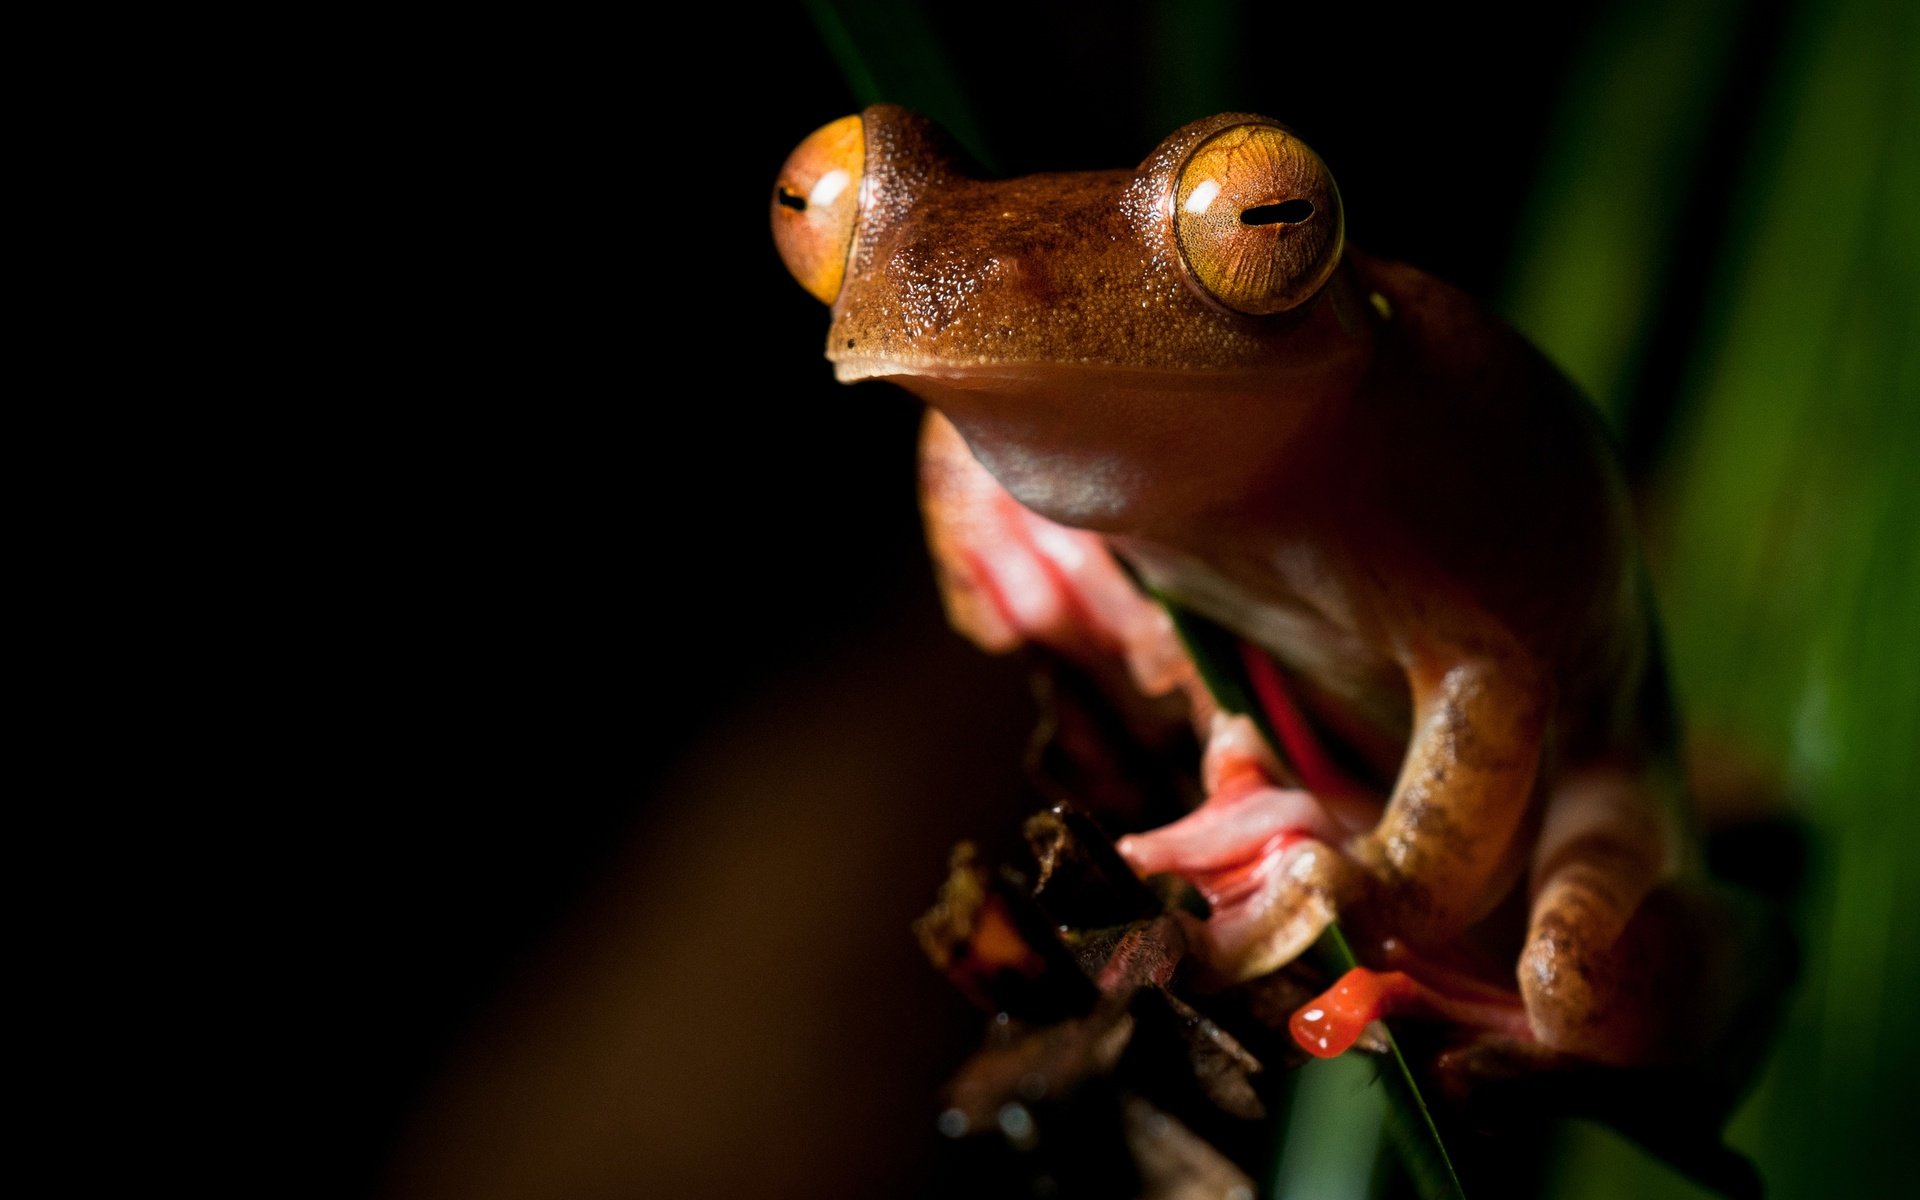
<point>1014,378</point>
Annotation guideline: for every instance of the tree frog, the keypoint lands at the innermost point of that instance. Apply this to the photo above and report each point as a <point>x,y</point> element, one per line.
<point>1181,375</point>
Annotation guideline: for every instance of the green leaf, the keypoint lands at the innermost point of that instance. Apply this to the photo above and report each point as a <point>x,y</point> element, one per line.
<point>1785,502</point>
<point>913,70</point>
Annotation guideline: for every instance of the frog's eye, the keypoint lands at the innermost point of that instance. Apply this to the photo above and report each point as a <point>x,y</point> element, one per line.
<point>1257,219</point>
<point>816,202</point>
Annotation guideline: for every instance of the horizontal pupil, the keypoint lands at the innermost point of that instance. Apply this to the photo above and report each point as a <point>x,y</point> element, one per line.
<point>1289,212</point>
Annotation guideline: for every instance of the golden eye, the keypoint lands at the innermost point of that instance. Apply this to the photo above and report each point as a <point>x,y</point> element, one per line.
<point>816,202</point>
<point>1257,219</point>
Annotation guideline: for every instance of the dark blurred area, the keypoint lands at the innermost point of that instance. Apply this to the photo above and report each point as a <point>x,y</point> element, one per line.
<point>635,739</point>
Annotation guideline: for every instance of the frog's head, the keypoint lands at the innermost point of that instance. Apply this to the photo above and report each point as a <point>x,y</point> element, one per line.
<point>1106,341</point>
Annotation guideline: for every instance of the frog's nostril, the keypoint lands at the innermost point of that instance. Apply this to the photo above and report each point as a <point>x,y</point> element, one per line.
<point>1289,212</point>
<point>792,199</point>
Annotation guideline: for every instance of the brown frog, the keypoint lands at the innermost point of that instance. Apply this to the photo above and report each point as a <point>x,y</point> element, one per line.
<point>1412,520</point>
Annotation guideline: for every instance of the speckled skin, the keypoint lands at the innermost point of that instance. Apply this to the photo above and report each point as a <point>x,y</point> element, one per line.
<point>1385,487</point>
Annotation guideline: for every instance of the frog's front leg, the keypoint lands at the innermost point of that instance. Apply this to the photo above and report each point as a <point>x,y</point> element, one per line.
<point>1447,842</point>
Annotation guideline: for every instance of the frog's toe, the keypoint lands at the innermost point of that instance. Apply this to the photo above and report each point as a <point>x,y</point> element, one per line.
<point>1227,836</point>
<point>1267,912</point>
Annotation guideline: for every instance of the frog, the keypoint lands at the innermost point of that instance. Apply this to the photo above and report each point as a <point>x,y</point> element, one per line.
<point>1179,384</point>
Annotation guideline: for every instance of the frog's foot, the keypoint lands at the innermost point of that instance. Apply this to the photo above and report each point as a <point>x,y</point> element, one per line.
<point>1009,577</point>
<point>1261,855</point>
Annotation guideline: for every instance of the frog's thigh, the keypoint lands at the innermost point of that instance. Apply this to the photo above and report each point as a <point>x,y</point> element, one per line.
<point>1595,945</point>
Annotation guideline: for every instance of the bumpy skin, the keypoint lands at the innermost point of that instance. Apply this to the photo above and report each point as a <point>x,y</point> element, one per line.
<point>1384,488</point>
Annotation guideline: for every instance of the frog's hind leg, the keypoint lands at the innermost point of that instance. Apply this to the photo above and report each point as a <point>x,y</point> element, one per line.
<point>1606,844</point>
<point>1631,956</point>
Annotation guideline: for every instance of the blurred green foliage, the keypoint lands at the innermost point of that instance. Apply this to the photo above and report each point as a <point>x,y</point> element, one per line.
<point>1786,504</point>
<point>1721,244</point>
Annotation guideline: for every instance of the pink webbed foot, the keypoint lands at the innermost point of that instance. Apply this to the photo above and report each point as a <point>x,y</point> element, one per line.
<point>1262,855</point>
